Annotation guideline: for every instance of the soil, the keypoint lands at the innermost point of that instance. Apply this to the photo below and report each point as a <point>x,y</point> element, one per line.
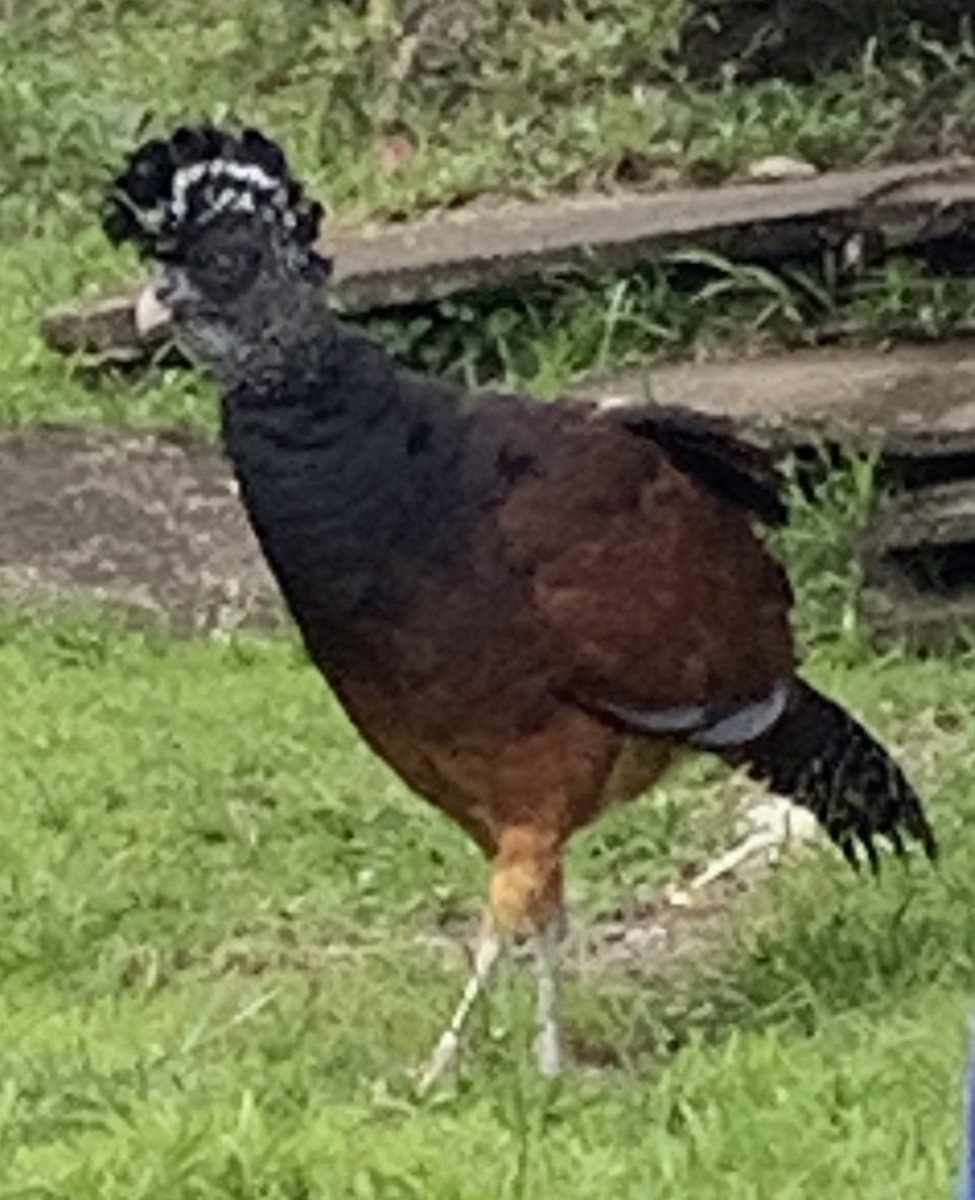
<point>150,524</point>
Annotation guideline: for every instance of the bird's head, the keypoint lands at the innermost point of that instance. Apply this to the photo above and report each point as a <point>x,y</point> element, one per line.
<point>234,236</point>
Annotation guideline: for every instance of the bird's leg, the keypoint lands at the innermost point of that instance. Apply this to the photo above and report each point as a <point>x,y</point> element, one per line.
<point>546,946</point>
<point>486,955</point>
<point>525,898</point>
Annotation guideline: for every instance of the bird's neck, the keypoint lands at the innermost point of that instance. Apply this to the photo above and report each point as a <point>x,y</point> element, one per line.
<point>320,440</point>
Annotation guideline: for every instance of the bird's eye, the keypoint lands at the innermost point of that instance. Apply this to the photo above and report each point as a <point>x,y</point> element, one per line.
<point>223,272</point>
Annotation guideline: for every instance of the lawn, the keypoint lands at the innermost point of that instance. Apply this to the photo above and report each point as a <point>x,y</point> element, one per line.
<point>219,962</point>
<point>229,934</point>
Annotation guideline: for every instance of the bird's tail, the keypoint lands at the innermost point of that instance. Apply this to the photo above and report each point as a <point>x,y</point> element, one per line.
<point>819,756</point>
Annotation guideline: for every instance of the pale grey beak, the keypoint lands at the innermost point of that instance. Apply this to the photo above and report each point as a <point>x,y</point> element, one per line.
<point>151,315</point>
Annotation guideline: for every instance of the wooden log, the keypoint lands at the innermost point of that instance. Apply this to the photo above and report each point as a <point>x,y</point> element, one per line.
<point>918,561</point>
<point>383,267</point>
<point>918,401</point>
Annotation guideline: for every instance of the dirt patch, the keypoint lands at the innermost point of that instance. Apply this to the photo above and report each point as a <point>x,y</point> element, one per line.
<point>648,938</point>
<point>149,524</point>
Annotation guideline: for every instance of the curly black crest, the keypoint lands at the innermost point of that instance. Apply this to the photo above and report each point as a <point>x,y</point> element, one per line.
<point>172,188</point>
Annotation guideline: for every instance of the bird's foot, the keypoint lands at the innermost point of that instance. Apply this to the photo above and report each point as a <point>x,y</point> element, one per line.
<point>441,1060</point>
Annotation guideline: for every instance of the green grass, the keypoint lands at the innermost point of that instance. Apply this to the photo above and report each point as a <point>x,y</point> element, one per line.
<point>538,95</point>
<point>215,982</point>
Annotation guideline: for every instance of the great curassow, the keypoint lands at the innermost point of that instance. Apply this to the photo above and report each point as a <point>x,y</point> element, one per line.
<point>528,610</point>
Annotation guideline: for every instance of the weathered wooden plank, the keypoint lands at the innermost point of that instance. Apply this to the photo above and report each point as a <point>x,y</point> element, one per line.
<point>475,249</point>
<point>918,562</point>
<point>917,400</point>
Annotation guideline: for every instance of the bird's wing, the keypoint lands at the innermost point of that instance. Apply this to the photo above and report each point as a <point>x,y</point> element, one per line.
<point>710,449</point>
<point>671,614</point>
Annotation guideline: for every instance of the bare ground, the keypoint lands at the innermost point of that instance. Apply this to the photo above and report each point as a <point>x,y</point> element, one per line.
<point>148,523</point>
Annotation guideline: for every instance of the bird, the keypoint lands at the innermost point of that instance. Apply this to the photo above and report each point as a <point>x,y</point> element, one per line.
<point>529,610</point>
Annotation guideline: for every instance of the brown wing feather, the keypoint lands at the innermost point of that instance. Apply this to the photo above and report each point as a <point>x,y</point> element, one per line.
<point>658,587</point>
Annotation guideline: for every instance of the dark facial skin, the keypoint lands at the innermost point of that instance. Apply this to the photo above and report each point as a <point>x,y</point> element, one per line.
<point>232,294</point>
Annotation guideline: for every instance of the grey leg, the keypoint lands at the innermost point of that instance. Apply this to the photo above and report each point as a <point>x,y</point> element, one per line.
<point>546,946</point>
<point>486,956</point>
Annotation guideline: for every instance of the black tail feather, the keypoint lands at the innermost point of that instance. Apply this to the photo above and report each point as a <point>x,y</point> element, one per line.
<point>819,756</point>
